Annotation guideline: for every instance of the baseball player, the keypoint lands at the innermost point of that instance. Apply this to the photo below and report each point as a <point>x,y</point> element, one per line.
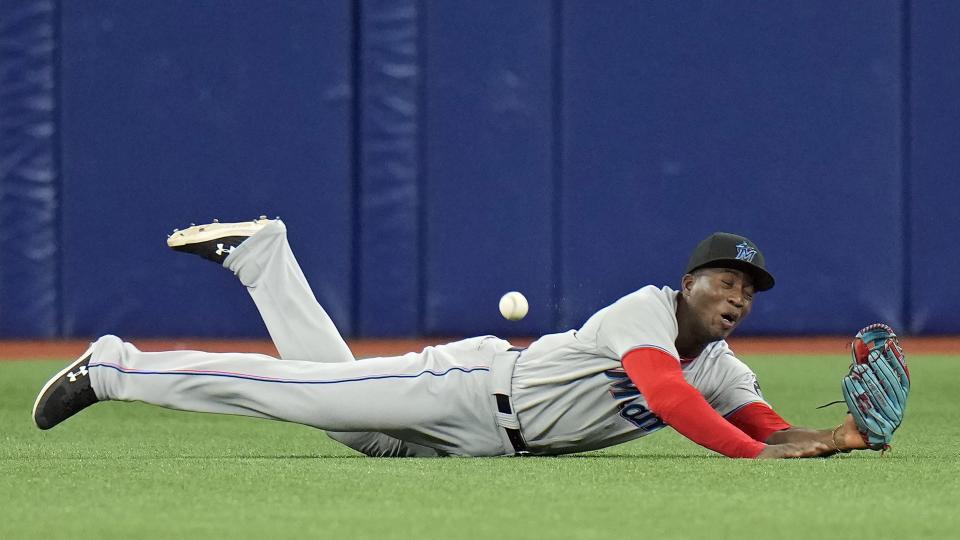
<point>655,357</point>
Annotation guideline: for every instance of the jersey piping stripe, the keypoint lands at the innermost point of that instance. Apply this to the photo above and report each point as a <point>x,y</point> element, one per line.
<point>261,378</point>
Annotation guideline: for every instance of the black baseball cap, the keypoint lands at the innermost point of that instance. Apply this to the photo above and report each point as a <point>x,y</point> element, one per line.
<point>727,250</point>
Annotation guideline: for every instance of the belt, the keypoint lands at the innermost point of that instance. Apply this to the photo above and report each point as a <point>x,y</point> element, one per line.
<point>502,377</point>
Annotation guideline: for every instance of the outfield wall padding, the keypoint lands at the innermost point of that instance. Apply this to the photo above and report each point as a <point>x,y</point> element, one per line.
<point>430,156</point>
<point>186,111</point>
<point>388,145</point>
<point>778,121</point>
<point>29,179</point>
<point>933,156</point>
<point>488,177</point>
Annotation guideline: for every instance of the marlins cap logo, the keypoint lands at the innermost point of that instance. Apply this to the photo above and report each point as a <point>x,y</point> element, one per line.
<point>745,252</point>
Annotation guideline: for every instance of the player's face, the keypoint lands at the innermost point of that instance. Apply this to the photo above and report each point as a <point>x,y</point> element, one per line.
<point>720,298</point>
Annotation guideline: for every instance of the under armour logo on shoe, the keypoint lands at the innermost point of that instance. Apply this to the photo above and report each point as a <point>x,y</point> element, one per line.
<point>221,249</point>
<point>73,376</point>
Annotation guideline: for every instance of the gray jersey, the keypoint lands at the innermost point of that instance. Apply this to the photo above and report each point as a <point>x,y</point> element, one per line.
<point>572,394</point>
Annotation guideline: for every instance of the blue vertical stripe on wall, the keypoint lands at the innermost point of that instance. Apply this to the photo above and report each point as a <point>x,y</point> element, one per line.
<point>906,162</point>
<point>29,175</point>
<point>389,193</point>
<point>935,162</point>
<point>488,170</point>
<point>556,149</point>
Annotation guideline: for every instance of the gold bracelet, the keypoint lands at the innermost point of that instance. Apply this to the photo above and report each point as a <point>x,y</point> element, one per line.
<point>833,438</point>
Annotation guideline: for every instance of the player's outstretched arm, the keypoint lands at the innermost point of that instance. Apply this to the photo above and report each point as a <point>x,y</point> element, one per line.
<point>802,449</point>
<point>842,438</point>
<point>670,397</point>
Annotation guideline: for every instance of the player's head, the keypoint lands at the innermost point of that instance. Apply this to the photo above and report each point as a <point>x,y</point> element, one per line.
<point>727,250</point>
<point>724,272</point>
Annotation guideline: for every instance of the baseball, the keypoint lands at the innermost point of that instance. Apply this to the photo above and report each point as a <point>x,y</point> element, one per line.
<point>513,306</point>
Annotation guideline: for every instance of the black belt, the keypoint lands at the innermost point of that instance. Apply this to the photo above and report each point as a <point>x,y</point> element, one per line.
<point>503,405</point>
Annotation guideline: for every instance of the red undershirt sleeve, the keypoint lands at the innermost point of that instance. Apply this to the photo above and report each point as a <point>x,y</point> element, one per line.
<point>658,377</point>
<point>758,420</point>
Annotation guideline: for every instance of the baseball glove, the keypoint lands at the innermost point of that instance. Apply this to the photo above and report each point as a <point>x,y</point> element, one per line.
<point>877,385</point>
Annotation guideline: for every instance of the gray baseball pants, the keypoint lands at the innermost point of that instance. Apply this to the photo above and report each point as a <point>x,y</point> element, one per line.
<point>432,403</point>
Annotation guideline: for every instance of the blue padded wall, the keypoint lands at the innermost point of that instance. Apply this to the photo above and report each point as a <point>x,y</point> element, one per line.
<point>488,186</point>
<point>778,121</point>
<point>935,161</point>
<point>188,110</point>
<point>389,154</point>
<point>430,156</point>
<point>29,180</point>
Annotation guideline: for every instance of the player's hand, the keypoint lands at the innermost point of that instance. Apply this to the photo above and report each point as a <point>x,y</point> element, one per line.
<point>801,449</point>
<point>848,436</point>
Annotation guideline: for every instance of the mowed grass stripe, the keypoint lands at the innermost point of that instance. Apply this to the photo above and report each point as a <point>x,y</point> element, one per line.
<point>122,470</point>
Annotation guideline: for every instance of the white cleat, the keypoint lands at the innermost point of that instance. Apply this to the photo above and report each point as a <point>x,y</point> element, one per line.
<point>214,241</point>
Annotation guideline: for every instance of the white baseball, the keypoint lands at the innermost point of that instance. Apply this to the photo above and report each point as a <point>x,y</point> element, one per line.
<point>513,306</point>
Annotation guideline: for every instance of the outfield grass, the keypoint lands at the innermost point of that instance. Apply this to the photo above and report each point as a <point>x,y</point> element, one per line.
<point>132,471</point>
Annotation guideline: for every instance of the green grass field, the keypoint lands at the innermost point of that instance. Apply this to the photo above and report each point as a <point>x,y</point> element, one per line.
<point>123,470</point>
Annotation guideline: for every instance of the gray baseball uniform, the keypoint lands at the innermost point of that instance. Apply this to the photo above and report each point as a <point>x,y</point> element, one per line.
<point>568,391</point>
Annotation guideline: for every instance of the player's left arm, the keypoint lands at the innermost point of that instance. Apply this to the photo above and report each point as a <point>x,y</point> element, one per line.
<point>761,422</point>
<point>875,390</point>
<point>844,437</point>
<point>736,394</point>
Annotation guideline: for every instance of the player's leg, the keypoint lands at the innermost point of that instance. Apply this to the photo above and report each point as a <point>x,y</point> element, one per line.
<point>259,254</point>
<point>415,397</point>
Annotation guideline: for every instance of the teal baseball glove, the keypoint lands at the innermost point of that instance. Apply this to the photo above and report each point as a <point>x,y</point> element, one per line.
<point>877,385</point>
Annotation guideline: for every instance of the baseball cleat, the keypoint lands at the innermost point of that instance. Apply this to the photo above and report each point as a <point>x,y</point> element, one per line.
<point>214,241</point>
<point>65,394</point>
